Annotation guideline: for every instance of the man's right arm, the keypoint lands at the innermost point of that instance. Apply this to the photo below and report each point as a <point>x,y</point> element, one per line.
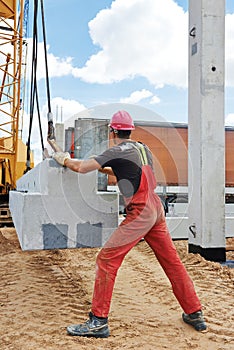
<point>106,170</point>
<point>82,166</point>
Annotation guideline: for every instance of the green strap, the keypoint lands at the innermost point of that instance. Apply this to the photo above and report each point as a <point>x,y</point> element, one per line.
<point>141,150</point>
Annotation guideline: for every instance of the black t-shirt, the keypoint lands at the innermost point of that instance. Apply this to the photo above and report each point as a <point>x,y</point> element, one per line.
<point>125,161</point>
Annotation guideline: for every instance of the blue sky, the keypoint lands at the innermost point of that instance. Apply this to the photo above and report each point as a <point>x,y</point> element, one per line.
<point>130,51</point>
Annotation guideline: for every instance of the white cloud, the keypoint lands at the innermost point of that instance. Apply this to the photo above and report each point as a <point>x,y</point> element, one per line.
<point>148,39</point>
<point>63,108</point>
<point>57,67</point>
<point>154,100</point>
<point>137,96</point>
<point>229,120</point>
<point>138,38</point>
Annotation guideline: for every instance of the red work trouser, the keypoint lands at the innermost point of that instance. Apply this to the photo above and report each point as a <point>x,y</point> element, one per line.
<point>145,218</point>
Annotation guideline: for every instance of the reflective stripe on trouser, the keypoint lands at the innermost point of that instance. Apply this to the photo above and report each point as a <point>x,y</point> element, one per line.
<point>145,218</point>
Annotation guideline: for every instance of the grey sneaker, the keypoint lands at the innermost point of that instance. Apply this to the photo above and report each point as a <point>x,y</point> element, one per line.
<point>196,320</point>
<point>94,327</point>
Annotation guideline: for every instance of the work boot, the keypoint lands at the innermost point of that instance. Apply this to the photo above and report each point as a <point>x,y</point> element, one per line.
<point>94,327</point>
<point>196,320</point>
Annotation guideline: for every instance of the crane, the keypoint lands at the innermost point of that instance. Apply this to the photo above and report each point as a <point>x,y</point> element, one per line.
<point>14,154</point>
<point>12,149</point>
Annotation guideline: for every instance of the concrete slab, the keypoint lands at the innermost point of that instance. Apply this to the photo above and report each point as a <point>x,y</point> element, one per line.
<point>54,207</point>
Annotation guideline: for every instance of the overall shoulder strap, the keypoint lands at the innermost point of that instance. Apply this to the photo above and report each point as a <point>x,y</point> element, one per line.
<point>142,152</point>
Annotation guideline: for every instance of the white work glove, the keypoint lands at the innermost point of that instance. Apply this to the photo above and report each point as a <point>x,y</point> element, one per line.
<point>60,157</point>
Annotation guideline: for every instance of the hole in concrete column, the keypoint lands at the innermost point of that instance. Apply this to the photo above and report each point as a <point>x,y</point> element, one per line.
<point>213,69</point>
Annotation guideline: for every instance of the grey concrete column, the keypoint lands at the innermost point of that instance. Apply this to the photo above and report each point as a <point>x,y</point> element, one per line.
<point>206,129</point>
<point>91,138</point>
<point>59,132</point>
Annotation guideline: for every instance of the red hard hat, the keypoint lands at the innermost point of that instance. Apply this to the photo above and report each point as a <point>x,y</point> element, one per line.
<point>122,120</point>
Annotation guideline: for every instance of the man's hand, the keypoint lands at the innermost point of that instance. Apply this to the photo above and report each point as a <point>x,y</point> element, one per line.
<point>60,157</point>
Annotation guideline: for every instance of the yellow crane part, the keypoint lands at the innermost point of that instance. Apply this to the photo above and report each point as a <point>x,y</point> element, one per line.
<point>11,41</point>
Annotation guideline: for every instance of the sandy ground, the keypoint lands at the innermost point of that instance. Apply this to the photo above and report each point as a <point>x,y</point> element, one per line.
<point>41,292</point>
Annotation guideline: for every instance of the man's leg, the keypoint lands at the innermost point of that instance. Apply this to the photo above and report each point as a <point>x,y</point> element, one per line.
<point>107,264</point>
<point>139,220</point>
<point>161,243</point>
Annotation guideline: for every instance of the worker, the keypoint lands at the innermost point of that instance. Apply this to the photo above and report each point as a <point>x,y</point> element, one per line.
<point>131,163</point>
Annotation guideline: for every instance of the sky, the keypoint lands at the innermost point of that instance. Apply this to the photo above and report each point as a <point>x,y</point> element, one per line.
<point>122,51</point>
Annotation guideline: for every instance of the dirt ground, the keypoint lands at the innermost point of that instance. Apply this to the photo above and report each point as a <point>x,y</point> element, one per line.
<point>41,292</point>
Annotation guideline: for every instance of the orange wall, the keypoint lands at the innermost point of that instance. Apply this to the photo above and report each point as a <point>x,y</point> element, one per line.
<point>229,161</point>
<point>169,148</point>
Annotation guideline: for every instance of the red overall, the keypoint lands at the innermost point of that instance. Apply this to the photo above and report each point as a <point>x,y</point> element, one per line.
<point>145,218</point>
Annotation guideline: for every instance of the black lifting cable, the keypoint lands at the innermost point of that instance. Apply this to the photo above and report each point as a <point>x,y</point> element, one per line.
<point>33,89</point>
<point>51,134</point>
<point>33,83</point>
